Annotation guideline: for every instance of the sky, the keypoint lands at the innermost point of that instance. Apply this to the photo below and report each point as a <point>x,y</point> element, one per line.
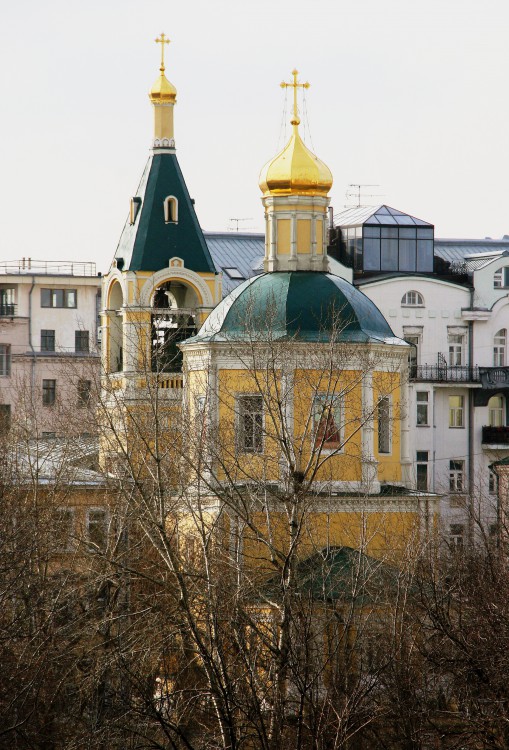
<point>407,96</point>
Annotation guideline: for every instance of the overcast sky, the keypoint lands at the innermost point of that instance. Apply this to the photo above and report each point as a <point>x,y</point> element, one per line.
<point>409,95</point>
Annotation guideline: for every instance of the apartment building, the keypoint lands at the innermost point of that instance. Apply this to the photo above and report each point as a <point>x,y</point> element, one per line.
<point>49,356</point>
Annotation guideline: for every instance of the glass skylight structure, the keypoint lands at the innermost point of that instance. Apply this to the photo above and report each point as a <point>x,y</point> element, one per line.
<point>384,240</point>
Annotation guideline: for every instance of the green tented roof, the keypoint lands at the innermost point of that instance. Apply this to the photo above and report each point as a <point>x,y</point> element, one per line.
<point>149,243</point>
<point>301,305</point>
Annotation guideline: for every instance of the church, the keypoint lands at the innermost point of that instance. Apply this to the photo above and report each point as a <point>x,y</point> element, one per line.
<point>276,412</point>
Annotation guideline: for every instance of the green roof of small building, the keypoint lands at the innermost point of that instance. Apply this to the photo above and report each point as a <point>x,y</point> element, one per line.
<point>299,305</point>
<point>149,243</point>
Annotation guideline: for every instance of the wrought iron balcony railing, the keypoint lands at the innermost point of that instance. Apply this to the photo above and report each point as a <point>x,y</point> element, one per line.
<point>445,373</point>
<point>495,435</point>
<point>7,310</point>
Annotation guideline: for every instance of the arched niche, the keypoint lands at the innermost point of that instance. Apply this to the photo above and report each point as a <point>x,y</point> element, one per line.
<point>174,306</point>
<point>115,301</point>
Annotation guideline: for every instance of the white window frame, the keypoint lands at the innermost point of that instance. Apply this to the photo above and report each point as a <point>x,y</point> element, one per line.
<point>420,461</point>
<point>422,407</point>
<point>456,475</point>
<point>412,298</point>
<point>457,413</point>
<point>171,210</point>
<point>456,347</point>
<point>5,360</point>
<point>384,425</point>
<point>325,407</point>
<point>499,346</point>
<point>496,412</point>
<point>457,535</point>
<point>256,445</point>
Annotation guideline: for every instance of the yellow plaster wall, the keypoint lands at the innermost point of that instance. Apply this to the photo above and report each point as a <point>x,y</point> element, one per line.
<point>319,237</point>
<point>283,236</point>
<point>389,466</point>
<point>304,236</point>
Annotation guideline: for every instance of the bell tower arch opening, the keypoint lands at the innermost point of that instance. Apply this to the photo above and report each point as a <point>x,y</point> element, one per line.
<point>174,319</point>
<point>114,338</point>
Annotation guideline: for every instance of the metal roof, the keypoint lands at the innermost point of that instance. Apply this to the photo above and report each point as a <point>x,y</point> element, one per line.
<point>243,251</point>
<point>377,215</point>
<point>458,250</point>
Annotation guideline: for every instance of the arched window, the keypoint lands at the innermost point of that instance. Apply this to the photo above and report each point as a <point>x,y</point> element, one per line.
<point>412,299</point>
<point>499,348</point>
<point>171,205</point>
<point>496,411</point>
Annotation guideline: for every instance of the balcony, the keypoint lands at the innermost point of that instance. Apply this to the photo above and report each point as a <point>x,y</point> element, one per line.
<point>7,310</point>
<point>495,436</point>
<point>444,373</point>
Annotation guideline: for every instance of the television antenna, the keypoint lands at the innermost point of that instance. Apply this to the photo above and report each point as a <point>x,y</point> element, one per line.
<point>231,229</point>
<point>357,192</point>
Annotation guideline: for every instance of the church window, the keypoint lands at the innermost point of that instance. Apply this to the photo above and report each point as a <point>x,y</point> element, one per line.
<point>171,210</point>
<point>412,299</point>
<point>250,424</point>
<point>134,208</point>
<point>327,421</point>
<point>384,424</point>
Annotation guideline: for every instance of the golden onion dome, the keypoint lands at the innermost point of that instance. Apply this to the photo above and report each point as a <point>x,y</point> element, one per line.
<point>163,90</point>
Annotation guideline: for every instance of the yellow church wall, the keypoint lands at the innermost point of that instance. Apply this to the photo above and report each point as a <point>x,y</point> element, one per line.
<point>283,236</point>
<point>389,464</point>
<point>303,236</point>
<point>319,237</point>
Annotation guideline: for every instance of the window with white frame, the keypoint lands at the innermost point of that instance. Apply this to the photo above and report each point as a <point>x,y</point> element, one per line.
<point>5,360</point>
<point>412,299</point>
<point>456,535</point>
<point>327,421</point>
<point>64,521</point>
<point>59,298</point>
<point>250,423</point>
<point>456,411</point>
<point>456,475</point>
<point>456,345</point>
<point>422,417</point>
<point>496,416</point>
<point>97,528</point>
<point>171,210</point>
<point>422,458</point>
<point>501,278</point>
<point>384,424</point>
<point>499,344</point>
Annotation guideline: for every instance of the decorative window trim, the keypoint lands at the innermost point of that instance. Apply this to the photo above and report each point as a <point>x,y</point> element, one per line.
<point>384,449</point>
<point>328,410</point>
<point>242,435</point>
<point>171,210</point>
<point>499,347</point>
<point>408,301</point>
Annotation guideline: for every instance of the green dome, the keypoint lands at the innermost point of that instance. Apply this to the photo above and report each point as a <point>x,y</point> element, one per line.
<point>300,305</point>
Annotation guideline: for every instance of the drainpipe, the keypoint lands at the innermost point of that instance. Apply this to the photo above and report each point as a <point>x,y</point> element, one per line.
<point>30,343</point>
<point>471,425</point>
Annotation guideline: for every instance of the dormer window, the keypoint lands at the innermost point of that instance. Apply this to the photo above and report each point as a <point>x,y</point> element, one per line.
<point>134,207</point>
<point>412,299</point>
<point>171,210</point>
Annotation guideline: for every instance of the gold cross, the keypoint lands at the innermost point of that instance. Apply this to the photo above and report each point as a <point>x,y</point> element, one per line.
<point>162,41</point>
<point>295,85</point>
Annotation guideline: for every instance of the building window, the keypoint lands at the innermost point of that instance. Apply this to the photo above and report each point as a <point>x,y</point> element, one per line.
<point>171,210</point>
<point>384,425</point>
<point>97,528</point>
<point>250,424</point>
<point>456,476</point>
<point>5,418</point>
<point>49,392</point>
<point>412,299</point>
<point>7,304</point>
<point>327,424</point>
<point>456,411</point>
<point>499,341</point>
<point>501,278</point>
<point>47,340</point>
<point>422,408</point>
<point>59,298</point>
<point>496,411</point>
<point>64,528</point>
<point>81,341</point>
<point>456,534</point>
<point>48,435</point>
<point>84,392</point>
<point>455,342</point>
<point>493,483</point>
<point>5,360</point>
<point>422,471</point>
<point>134,207</point>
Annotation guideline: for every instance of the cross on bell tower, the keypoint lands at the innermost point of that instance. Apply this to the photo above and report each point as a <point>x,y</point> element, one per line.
<point>162,40</point>
<point>295,85</point>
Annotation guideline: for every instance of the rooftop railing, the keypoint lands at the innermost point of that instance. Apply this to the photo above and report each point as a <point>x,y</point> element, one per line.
<point>48,267</point>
